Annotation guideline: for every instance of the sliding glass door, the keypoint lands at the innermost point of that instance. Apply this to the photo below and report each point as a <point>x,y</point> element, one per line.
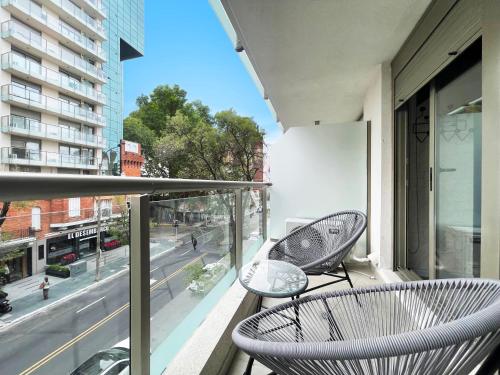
<point>458,170</point>
<point>438,174</point>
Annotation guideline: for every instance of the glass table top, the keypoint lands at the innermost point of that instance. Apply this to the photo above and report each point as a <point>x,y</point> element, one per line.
<point>273,278</point>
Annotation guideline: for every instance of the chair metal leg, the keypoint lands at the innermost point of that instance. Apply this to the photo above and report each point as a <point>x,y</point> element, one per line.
<point>347,275</point>
<point>248,370</point>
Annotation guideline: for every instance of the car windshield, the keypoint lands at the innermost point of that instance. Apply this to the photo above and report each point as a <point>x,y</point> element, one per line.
<point>101,361</point>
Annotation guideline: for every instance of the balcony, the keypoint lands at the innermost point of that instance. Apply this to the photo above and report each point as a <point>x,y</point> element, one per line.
<point>26,98</point>
<point>52,25</point>
<point>95,8</point>
<point>17,34</point>
<point>32,71</point>
<point>23,156</point>
<point>184,298</point>
<point>68,10</point>
<point>23,126</point>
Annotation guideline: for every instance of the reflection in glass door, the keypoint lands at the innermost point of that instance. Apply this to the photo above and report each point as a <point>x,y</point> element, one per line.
<point>438,174</point>
<point>458,168</point>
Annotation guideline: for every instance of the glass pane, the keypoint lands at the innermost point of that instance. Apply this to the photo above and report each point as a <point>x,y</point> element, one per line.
<point>252,224</point>
<point>458,171</point>
<point>191,268</point>
<point>88,330</point>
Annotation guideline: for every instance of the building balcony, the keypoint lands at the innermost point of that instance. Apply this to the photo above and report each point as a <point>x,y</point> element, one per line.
<point>168,304</point>
<point>27,157</point>
<point>75,15</point>
<point>23,126</point>
<point>95,8</point>
<point>34,72</point>
<point>26,98</point>
<point>54,27</point>
<point>15,33</point>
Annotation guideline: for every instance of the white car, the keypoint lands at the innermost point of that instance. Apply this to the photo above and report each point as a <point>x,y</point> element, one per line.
<point>113,361</point>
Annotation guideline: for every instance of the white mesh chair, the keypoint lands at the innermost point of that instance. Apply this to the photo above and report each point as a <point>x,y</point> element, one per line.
<point>320,247</point>
<point>425,327</point>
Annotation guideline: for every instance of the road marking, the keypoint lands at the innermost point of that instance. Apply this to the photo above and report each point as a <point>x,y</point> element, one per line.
<point>152,281</point>
<point>34,367</point>
<point>86,307</point>
<point>154,269</point>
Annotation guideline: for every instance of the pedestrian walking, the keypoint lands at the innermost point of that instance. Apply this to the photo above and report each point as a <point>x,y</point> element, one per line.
<point>45,286</point>
<point>6,271</point>
<point>194,241</point>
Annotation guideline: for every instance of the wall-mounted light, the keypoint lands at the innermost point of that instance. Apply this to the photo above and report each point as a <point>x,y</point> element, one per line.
<point>239,47</point>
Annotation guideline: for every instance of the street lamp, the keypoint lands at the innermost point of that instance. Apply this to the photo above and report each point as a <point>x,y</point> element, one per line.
<point>99,203</point>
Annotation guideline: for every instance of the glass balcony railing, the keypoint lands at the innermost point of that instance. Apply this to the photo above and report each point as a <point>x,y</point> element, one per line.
<point>30,157</point>
<point>33,10</point>
<point>184,255</point>
<point>24,126</point>
<point>97,5</point>
<point>14,29</point>
<point>19,63</point>
<point>25,97</point>
<point>201,269</point>
<point>81,15</point>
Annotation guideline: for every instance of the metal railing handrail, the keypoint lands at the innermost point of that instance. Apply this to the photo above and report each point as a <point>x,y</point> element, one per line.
<point>34,186</point>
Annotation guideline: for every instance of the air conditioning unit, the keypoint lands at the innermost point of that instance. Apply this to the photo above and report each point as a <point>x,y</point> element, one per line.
<point>293,223</point>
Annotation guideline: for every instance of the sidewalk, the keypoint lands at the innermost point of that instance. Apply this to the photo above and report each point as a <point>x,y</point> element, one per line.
<point>26,297</point>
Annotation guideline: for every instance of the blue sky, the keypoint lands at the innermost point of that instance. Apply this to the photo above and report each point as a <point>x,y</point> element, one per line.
<point>186,45</point>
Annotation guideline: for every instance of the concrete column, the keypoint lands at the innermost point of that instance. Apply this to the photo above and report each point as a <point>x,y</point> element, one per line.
<point>490,184</point>
<point>377,108</point>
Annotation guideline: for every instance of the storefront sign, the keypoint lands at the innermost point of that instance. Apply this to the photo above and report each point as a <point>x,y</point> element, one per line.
<point>86,232</point>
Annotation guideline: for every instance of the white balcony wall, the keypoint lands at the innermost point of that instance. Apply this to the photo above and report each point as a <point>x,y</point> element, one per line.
<point>377,109</point>
<point>318,170</point>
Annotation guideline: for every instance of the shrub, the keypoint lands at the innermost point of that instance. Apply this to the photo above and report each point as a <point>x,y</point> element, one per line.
<point>57,268</point>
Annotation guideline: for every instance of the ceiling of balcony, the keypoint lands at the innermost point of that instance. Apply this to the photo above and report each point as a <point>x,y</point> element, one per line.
<point>316,58</point>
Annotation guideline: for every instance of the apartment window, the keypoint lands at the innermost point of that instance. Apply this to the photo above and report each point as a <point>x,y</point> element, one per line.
<point>27,32</point>
<point>70,154</point>
<point>41,252</point>
<point>25,119</point>
<point>106,207</point>
<point>25,89</point>
<point>25,148</point>
<point>70,100</point>
<point>24,168</point>
<point>36,218</point>
<point>73,207</point>
<point>70,129</point>
<point>26,55</point>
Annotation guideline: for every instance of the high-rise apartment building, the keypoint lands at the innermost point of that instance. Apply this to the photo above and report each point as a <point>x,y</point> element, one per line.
<point>61,111</point>
<point>61,81</point>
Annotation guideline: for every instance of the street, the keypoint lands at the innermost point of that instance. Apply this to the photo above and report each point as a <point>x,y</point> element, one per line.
<point>58,340</point>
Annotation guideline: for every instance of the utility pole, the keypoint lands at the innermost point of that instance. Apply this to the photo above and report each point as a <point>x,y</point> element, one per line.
<point>99,204</point>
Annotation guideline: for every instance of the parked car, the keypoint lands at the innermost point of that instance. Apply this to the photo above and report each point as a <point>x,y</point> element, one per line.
<point>110,243</point>
<point>68,258</point>
<point>113,361</point>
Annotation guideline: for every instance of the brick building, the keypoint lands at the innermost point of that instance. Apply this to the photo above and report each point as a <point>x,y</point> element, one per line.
<point>131,158</point>
<point>37,233</point>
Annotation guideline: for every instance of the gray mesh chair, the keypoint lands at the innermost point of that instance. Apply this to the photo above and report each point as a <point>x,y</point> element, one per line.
<point>425,327</point>
<point>319,248</point>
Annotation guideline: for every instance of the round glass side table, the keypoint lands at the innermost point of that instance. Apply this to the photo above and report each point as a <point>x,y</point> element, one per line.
<point>274,279</point>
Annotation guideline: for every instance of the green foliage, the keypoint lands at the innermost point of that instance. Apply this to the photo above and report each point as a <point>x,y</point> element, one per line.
<point>6,236</point>
<point>182,139</point>
<point>194,272</point>
<point>119,227</point>
<point>12,255</point>
<point>57,268</point>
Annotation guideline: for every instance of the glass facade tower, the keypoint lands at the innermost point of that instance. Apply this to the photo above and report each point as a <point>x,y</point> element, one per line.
<point>124,25</point>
